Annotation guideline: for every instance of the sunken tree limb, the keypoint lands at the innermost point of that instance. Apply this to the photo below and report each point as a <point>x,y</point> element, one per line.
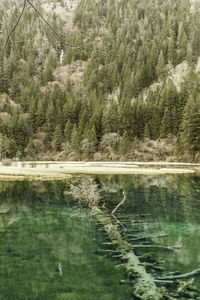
<point>181,276</point>
<point>143,283</point>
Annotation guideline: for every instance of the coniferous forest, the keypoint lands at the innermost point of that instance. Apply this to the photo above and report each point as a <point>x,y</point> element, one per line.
<point>120,80</point>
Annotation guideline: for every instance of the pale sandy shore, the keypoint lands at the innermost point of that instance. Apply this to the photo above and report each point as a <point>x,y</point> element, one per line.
<point>62,170</point>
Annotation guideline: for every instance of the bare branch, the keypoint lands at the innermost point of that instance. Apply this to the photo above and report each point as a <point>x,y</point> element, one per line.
<point>186,275</point>
<point>121,203</point>
<point>170,248</point>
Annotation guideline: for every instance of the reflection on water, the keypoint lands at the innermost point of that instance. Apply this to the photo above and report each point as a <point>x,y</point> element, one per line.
<point>51,249</point>
<point>168,208</point>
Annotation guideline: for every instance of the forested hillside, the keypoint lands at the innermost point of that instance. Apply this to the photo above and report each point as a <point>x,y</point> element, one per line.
<point>130,90</point>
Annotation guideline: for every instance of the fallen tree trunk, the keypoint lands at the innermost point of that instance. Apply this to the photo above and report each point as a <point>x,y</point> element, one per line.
<point>181,276</point>
<point>144,285</point>
<point>121,203</point>
<point>170,248</point>
<point>147,237</point>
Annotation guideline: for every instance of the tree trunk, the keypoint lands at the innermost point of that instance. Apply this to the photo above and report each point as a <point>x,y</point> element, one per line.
<point>144,286</point>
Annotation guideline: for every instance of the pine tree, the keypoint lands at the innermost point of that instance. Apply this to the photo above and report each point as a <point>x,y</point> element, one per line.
<point>181,42</point>
<point>3,77</point>
<point>165,125</point>
<point>68,131</point>
<point>111,118</point>
<point>141,39</point>
<point>50,65</point>
<point>161,68</point>
<point>31,150</point>
<point>92,136</point>
<point>50,119</point>
<point>8,147</point>
<point>14,90</point>
<point>171,51</point>
<point>191,126</point>
<point>88,145</point>
<point>57,139</point>
<point>146,131</point>
<point>75,139</point>
<point>125,144</point>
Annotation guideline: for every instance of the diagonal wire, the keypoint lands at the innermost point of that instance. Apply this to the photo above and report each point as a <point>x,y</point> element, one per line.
<point>56,33</point>
<point>20,16</point>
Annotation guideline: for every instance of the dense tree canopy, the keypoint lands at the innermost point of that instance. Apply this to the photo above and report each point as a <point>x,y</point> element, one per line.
<point>129,46</point>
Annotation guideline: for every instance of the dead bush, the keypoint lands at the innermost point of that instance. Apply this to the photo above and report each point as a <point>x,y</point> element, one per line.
<point>86,191</point>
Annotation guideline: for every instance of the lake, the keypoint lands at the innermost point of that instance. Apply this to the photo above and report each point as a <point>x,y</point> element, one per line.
<point>51,248</point>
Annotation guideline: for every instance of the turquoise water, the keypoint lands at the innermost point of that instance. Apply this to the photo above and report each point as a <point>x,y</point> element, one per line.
<point>167,209</point>
<point>50,248</point>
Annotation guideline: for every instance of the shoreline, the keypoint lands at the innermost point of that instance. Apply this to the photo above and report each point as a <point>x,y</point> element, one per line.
<point>44,171</point>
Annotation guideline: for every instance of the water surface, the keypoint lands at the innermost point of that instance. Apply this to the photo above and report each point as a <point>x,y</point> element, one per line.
<point>167,209</point>
<point>51,248</point>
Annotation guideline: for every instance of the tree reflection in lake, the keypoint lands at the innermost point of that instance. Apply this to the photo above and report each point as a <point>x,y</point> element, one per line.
<point>51,249</point>
<point>168,208</point>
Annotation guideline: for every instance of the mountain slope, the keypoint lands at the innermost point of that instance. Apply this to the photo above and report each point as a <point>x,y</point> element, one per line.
<point>131,92</point>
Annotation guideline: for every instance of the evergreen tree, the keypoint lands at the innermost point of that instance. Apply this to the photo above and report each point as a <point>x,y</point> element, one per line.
<point>137,43</point>
<point>89,143</point>
<point>191,126</point>
<point>8,147</point>
<point>171,51</point>
<point>146,131</point>
<point>92,136</point>
<point>50,119</point>
<point>57,139</point>
<point>67,131</point>
<point>161,68</point>
<point>31,150</point>
<point>3,77</point>
<point>50,65</point>
<point>165,125</point>
<point>125,144</point>
<point>75,139</point>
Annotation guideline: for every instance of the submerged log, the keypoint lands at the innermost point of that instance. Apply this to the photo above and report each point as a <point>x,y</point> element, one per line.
<point>121,203</point>
<point>186,275</point>
<point>143,282</point>
<point>170,248</point>
<point>164,282</point>
<point>147,237</point>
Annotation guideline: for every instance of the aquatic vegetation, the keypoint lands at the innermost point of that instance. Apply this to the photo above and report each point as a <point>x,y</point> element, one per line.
<point>69,251</point>
<point>50,251</point>
<point>144,282</point>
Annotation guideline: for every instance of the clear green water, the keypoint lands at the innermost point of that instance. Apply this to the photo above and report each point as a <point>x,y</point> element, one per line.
<point>52,249</point>
<point>49,248</point>
<point>168,208</point>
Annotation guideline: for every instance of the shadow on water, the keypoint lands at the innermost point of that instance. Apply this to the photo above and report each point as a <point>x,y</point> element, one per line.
<point>51,249</point>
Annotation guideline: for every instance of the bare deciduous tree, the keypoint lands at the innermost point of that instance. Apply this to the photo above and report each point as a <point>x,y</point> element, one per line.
<point>86,191</point>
